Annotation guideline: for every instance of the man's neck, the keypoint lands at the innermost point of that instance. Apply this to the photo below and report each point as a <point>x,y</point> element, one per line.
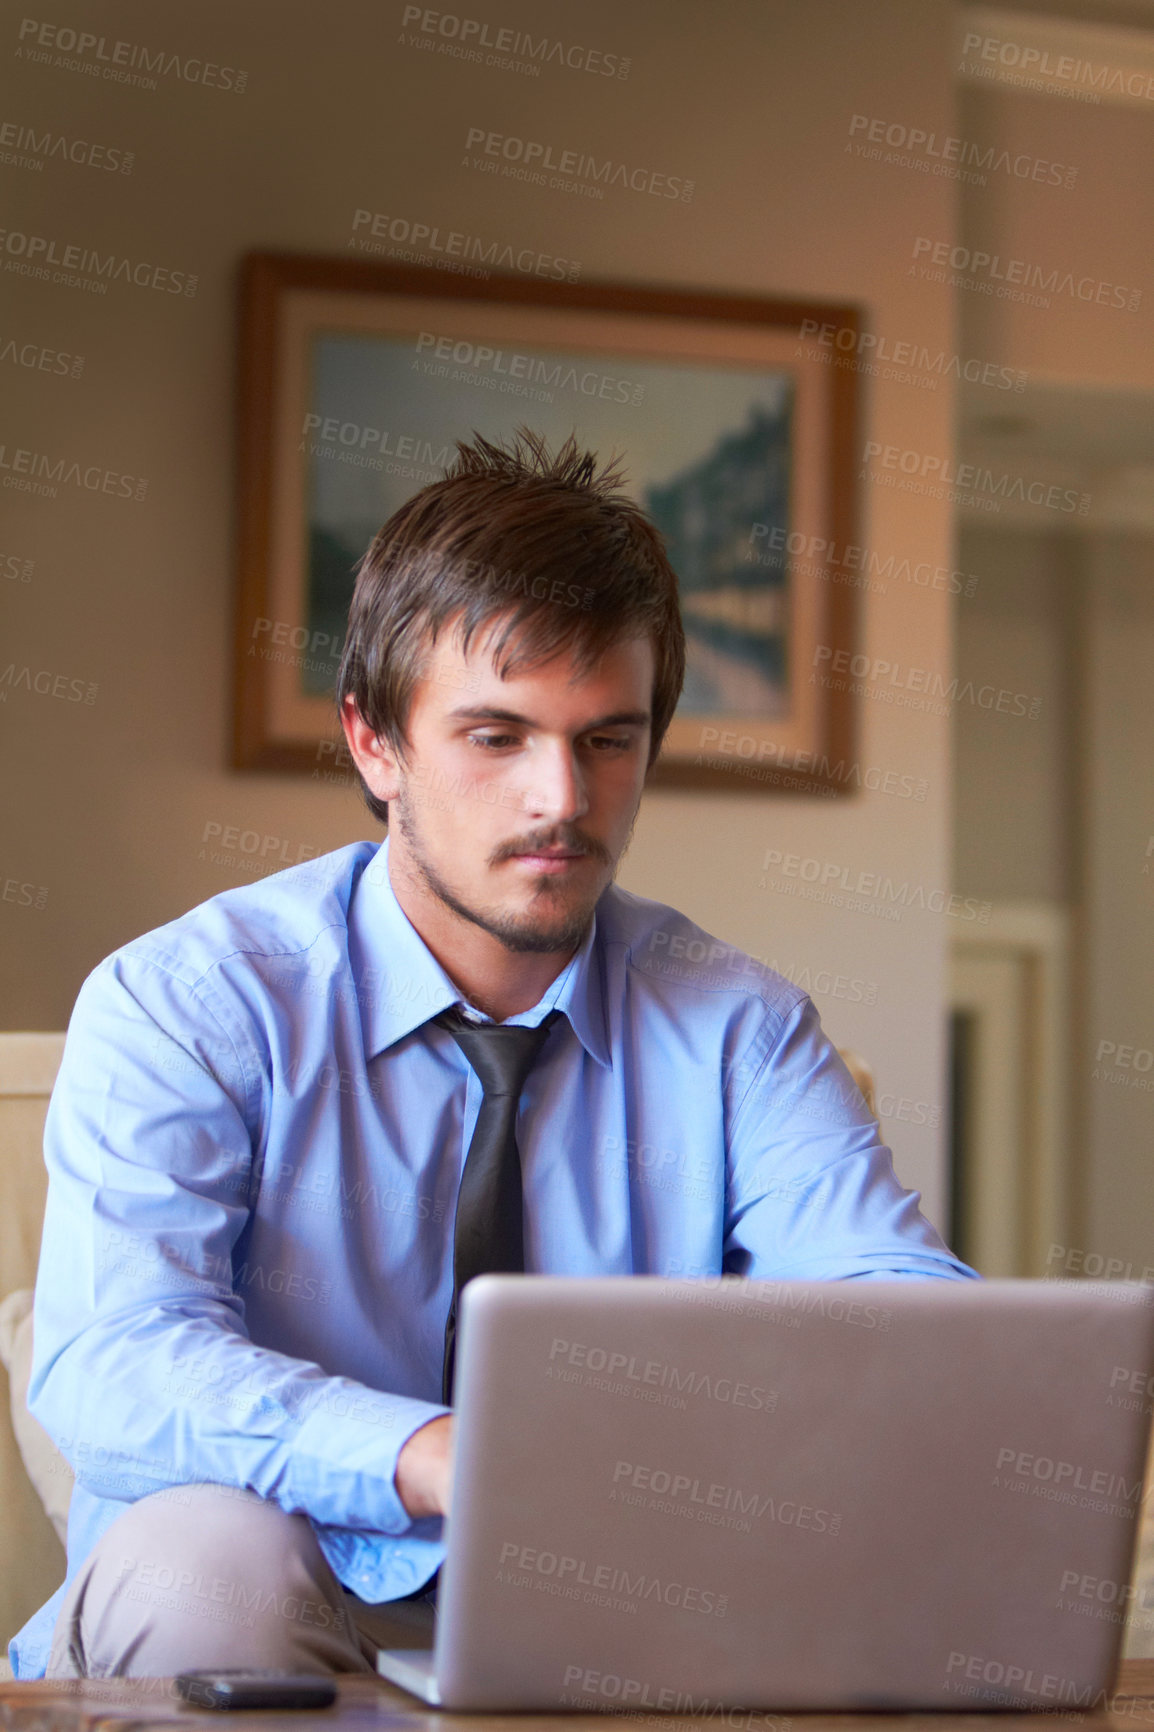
<point>499,981</point>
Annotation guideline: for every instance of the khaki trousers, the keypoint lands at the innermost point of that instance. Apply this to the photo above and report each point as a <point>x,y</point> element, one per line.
<point>203,1576</point>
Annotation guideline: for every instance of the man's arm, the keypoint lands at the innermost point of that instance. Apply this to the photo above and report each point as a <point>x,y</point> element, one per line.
<point>143,1371</point>
<point>812,1193</point>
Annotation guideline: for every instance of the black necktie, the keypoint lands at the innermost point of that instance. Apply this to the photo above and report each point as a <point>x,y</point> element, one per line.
<point>488,1237</point>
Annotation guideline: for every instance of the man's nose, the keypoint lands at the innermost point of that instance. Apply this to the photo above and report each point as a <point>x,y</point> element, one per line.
<point>556,788</point>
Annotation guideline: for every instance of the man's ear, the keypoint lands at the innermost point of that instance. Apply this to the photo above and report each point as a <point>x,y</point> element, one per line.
<point>374,756</point>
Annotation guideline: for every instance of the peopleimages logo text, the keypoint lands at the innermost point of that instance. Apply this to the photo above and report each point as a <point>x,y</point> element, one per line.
<point>472,34</point>
<point>657,1373</point>
<point>714,1501</point>
<point>881,676</point>
<point>917,142</point>
<point>112,59</point>
<point>40,251</point>
<point>826,880</point>
<point>534,156</point>
<point>1100,1482</point>
<point>36,472</point>
<point>1035,65</point>
<point>931,466</point>
<point>1016,1686</point>
<point>1014,273</point>
<point>869,346</point>
<point>609,1578</point>
<point>454,248</point>
<point>41,147</point>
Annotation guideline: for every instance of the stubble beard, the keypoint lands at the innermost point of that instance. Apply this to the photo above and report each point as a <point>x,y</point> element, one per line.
<point>522,934</point>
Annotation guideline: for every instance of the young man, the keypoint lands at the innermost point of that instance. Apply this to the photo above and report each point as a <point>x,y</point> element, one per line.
<point>277,1149</point>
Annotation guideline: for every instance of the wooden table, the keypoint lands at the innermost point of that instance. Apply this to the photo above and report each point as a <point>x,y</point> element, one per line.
<point>366,1705</point>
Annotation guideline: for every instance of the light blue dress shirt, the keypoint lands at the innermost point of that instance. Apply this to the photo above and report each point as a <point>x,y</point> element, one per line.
<point>254,1149</point>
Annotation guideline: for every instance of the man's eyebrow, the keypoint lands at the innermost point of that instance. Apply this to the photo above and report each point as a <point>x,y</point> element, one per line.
<point>488,713</point>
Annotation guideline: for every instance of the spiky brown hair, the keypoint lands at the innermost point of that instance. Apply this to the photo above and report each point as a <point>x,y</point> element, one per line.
<point>547,543</point>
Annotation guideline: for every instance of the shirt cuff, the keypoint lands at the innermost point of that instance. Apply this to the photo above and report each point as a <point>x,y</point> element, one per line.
<point>344,1474</point>
<point>376,1567</point>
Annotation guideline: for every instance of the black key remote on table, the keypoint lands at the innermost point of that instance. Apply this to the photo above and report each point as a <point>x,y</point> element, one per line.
<point>247,1689</point>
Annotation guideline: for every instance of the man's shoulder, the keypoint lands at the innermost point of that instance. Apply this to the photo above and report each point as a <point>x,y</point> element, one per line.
<point>282,914</point>
<point>666,948</point>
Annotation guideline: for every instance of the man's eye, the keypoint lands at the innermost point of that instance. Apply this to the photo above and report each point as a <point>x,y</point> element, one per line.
<point>494,740</point>
<point>611,742</point>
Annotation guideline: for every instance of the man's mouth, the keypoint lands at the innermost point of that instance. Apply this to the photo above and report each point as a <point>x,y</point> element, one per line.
<point>551,859</point>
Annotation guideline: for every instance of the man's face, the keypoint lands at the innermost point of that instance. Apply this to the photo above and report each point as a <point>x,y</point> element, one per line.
<point>515,798</point>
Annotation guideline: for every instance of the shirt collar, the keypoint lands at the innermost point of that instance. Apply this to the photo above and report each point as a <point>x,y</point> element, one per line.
<point>400,983</point>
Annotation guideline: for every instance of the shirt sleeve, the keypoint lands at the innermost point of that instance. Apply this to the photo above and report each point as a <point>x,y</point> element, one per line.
<point>812,1194</point>
<point>143,1371</point>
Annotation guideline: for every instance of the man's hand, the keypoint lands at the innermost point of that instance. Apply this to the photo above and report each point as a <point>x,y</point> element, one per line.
<point>424,1468</point>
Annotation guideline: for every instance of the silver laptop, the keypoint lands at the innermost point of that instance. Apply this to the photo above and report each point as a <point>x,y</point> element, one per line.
<point>683,1495</point>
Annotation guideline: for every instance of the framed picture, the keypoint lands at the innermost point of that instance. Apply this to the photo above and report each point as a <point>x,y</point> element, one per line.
<point>738,438</point>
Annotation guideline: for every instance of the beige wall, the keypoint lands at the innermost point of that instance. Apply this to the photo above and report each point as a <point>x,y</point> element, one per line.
<point>1098,229</point>
<point>751,101</point>
<point>1117,792</point>
<point>1013,817</point>
<point>1065,812</point>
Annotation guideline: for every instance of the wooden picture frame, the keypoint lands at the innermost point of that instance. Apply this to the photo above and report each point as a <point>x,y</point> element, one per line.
<point>357,378</point>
